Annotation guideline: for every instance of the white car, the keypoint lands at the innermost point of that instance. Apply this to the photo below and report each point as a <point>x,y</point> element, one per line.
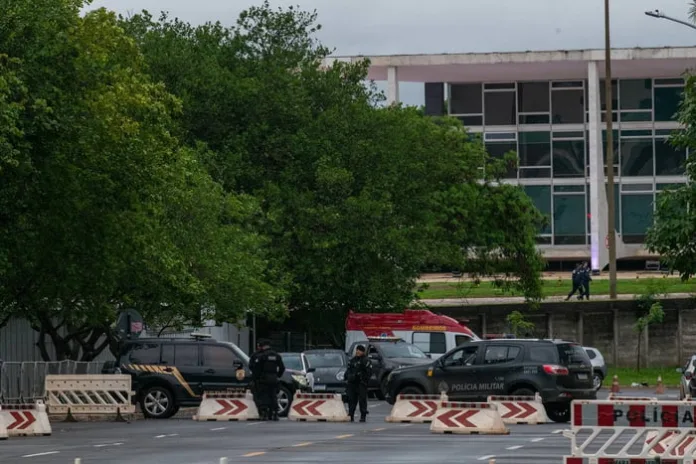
<point>298,365</point>
<point>599,367</point>
<point>687,383</point>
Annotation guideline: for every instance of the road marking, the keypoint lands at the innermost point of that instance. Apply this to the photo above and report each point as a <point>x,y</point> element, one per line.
<point>251,455</point>
<point>486,458</point>
<point>344,436</point>
<point>255,423</point>
<point>302,444</point>
<point>536,440</point>
<point>219,428</point>
<point>379,430</point>
<point>405,425</point>
<point>168,435</point>
<point>511,448</point>
<point>557,431</point>
<point>40,454</point>
<point>107,444</point>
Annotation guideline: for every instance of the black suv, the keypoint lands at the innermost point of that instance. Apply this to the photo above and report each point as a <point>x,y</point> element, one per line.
<point>387,354</point>
<point>559,371</point>
<point>172,372</point>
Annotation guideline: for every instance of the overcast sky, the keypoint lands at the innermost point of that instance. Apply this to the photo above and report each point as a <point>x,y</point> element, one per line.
<point>382,27</point>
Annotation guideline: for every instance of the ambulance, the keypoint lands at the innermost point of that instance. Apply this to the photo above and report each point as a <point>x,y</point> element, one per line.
<point>434,334</point>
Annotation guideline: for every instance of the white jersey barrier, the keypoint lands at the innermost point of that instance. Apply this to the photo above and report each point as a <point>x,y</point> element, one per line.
<point>318,407</point>
<point>520,409</point>
<point>468,418</point>
<point>631,431</point>
<point>227,406</point>
<point>415,408</point>
<point>25,420</point>
<point>89,394</point>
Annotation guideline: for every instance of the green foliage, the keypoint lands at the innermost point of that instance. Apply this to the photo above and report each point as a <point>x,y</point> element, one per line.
<point>649,312</point>
<point>519,325</point>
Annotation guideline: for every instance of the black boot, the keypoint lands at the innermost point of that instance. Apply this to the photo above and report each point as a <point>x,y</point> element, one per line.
<point>363,417</point>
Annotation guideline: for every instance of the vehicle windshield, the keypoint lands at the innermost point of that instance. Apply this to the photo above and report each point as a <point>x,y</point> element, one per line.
<point>240,354</point>
<point>292,361</point>
<point>573,354</point>
<point>402,350</point>
<point>321,360</point>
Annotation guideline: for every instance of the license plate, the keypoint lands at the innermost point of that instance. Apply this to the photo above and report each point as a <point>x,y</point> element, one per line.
<point>320,387</point>
<point>582,376</point>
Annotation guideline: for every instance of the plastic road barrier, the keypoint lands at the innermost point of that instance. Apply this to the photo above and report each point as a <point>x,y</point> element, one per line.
<point>574,460</point>
<point>227,406</point>
<point>468,418</point>
<point>3,426</point>
<point>415,408</point>
<point>25,419</point>
<point>631,431</point>
<point>89,394</point>
<point>613,397</point>
<point>318,407</point>
<point>520,409</point>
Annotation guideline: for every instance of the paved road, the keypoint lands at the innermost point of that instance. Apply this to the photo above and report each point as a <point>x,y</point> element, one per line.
<point>182,441</point>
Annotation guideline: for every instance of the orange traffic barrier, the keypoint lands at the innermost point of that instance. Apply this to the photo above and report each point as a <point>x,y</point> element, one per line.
<point>615,385</point>
<point>660,390</point>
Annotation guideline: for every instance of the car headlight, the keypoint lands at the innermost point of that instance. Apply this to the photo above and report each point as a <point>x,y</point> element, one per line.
<point>301,379</point>
<point>340,376</point>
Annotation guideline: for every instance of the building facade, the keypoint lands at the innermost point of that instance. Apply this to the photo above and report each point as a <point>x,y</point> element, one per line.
<point>548,107</point>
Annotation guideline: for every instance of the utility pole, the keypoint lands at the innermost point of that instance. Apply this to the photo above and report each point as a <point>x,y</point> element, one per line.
<point>610,154</point>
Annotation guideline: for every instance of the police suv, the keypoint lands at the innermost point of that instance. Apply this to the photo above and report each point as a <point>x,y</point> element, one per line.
<point>559,371</point>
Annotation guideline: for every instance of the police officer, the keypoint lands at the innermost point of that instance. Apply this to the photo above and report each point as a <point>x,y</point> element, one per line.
<point>586,278</point>
<point>577,281</point>
<point>266,367</point>
<point>357,377</point>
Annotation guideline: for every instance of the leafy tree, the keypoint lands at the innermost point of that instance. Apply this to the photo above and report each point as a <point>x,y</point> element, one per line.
<point>112,211</point>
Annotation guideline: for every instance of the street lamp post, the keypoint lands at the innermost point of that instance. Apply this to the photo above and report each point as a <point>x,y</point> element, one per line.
<point>660,15</point>
<point>610,154</point>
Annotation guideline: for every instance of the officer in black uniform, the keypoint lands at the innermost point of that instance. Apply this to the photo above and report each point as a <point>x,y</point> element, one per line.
<point>266,368</point>
<point>586,279</point>
<point>577,281</point>
<point>357,377</point>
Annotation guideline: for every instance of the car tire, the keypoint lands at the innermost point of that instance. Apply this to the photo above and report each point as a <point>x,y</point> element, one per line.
<point>158,403</point>
<point>523,392</point>
<point>411,390</point>
<point>381,394</point>
<point>558,412</point>
<point>597,380</point>
<point>284,400</point>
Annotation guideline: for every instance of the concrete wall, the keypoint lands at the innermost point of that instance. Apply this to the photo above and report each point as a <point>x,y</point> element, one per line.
<point>603,325</point>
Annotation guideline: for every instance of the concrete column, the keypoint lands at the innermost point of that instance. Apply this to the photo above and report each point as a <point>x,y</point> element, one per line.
<point>616,337</point>
<point>392,85</point>
<point>580,329</point>
<point>599,254</point>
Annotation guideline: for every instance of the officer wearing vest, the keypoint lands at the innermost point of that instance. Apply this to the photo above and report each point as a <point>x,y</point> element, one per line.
<point>266,368</point>
<point>357,377</point>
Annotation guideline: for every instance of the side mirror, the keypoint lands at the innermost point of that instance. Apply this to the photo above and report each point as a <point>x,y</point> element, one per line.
<point>375,357</point>
<point>238,365</point>
<point>311,369</point>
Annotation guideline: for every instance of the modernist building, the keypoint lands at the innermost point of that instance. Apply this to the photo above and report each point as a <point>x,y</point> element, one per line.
<point>549,107</point>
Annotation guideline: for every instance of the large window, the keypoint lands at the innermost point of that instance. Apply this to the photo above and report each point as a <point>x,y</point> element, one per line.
<point>500,108</point>
<point>430,342</point>
<point>669,160</point>
<point>569,215</point>
<point>667,101</point>
<point>636,216</point>
<point>635,94</point>
<point>541,197</point>
<point>568,106</point>
<point>466,99</point>
<point>535,149</point>
<point>218,356</point>
<point>533,102</point>
<point>145,353</point>
<point>497,149</point>
<point>636,153</point>
<point>569,157</point>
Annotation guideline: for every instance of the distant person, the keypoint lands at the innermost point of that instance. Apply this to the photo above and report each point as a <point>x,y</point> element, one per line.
<point>266,368</point>
<point>357,377</point>
<point>586,279</point>
<point>576,278</point>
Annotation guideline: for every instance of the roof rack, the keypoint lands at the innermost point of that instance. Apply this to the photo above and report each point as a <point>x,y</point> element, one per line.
<point>201,336</point>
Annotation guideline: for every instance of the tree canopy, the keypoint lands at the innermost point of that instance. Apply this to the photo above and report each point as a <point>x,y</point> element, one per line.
<point>206,172</point>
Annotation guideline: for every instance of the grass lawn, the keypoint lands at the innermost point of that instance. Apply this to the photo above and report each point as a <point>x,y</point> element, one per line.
<point>440,290</point>
<point>627,376</point>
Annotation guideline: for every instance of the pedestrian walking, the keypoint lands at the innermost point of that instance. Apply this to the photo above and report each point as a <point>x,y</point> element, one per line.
<point>357,377</point>
<point>586,279</point>
<point>576,278</point>
<point>266,368</point>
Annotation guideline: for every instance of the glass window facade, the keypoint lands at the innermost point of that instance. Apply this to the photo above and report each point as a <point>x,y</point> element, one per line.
<point>546,124</point>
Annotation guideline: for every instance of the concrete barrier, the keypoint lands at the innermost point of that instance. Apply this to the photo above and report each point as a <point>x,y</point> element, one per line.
<point>415,408</point>
<point>26,419</point>
<point>3,426</point>
<point>89,394</point>
<point>468,418</point>
<point>318,407</point>
<point>520,409</point>
<point>227,406</point>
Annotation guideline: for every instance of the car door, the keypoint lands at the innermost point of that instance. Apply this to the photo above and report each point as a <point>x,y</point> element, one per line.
<point>456,373</point>
<point>498,369</point>
<point>182,361</point>
<point>220,368</point>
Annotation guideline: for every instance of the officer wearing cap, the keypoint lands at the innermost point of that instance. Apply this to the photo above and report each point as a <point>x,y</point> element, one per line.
<point>266,367</point>
<point>357,377</point>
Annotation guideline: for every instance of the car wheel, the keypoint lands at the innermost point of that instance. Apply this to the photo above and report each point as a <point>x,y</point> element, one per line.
<point>284,400</point>
<point>411,390</point>
<point>158,403</point>
<point>597,380</point>
<point>523,392</point>
<point>381,394</point>
<point>558,412</point>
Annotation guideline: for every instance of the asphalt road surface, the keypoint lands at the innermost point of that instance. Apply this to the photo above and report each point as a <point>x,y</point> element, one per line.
<point>184,441</point>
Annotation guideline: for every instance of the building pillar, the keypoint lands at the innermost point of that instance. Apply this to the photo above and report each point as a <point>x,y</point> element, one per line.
<point>580,329</point>
<point>599,254</point>
<point>392,85</point>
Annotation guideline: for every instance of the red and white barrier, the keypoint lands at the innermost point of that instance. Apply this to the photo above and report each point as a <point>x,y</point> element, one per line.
<point>25,420</point>
<point>671,444</point>
<point>520,409</point>
<point>318,407</point>
<point>468,418</point>
<point>415,408</point>
<point>613,397</point>
<point>227,406</point>
<point>576,460</point>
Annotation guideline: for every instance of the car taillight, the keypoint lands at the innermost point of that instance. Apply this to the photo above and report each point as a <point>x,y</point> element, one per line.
<point>552,369</point>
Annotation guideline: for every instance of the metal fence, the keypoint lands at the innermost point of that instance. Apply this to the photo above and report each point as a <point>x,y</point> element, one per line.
<point>26,381</point>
